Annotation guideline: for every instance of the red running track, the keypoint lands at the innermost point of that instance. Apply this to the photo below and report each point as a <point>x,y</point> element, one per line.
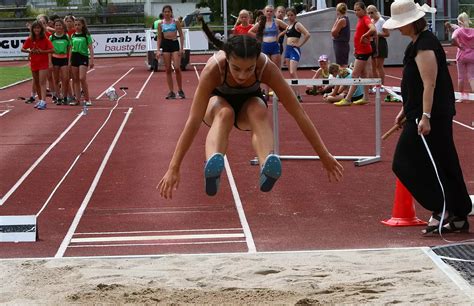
<point>107,205</point>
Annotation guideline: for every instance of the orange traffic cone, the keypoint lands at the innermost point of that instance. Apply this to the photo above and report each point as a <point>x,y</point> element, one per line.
<point>403,213</point>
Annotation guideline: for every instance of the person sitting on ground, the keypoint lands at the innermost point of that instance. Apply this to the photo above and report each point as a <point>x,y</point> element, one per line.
<point>340,91</point>
<point>229,94</point>
<point>321,73</point>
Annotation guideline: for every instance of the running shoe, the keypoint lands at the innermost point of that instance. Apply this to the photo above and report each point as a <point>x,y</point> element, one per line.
<point>270,172</point>
<point>170,96</point>
<point>181,94</point>
<point>343,102</point>
<point>41,105</point>
<point>37,104</point>
<point>360,102</point>
<point>30,100</point>
<point>73,102</point>
<point>299,98</point>
<point>212,173</point>
<point>88,103</point>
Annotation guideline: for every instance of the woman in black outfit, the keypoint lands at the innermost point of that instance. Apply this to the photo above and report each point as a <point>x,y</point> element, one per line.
<point>428,106</point>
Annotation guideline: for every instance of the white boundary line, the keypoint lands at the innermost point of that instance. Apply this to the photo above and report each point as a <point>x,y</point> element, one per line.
<point>162,231</point>
<point>155,244</point>
<point>393,77</point>
<point>450,272</point>
<point>240,209</point>
<point>124,75</point>
<point>4,112</point>
<point>464,125</point>
<point>144,84</point>
<point>16,83</point>
<point>95,182</point>
<point>157,237</point>
<point>32,167</point>
<point>6,101</point>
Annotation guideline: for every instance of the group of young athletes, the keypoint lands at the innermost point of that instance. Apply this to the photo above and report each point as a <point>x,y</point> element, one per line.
<point>60,53</point>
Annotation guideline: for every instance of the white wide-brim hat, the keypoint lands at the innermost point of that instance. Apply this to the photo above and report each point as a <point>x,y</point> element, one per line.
<point>403,12</point>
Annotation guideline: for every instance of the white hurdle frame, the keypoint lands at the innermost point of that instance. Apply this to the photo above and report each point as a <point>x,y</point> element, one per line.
<point>359,160</point>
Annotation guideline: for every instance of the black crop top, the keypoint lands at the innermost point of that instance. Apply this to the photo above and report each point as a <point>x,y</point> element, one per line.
<point>292,32</point>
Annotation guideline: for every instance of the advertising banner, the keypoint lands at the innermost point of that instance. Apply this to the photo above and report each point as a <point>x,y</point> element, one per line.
<point>111,44</point>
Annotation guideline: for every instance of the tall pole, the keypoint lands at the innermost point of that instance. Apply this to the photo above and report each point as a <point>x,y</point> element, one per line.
<point>225,18</point>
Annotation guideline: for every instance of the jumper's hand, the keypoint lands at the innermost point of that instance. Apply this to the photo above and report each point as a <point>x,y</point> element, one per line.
<point>333,168</point>
<point>168,183</point>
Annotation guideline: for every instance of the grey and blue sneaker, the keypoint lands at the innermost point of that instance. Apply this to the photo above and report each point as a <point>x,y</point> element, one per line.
<point>41,105</point>
<point>270,172</point>
<point>212,173</point>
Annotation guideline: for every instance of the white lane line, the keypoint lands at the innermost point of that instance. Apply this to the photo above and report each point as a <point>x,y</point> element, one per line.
<point>89,71</point>
<point>144,85</point>
<point>164,231</point>
<point>393,77</point>
<point>79,156</point>
<point>16,83</point>
<point>240,209</point>
<point>4,112</point>
<point>450,272</point>
<point>95,182</point>
<point>238,203</point>
<point>36,163</point>
<point>156,237</point>
<point>6,101</point>
<point>103,93</point>
<point>464,125</point>
<point>154,244</point>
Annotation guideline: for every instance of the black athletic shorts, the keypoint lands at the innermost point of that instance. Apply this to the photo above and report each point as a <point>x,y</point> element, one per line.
<point>238,101</point>
<point>363,57</point>
<point>77,59</point>
<point>168,45</point>
<point>60,61</point>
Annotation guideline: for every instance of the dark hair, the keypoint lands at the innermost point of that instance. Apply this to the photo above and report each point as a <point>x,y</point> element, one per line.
<point>37,24</point>
<point>262,20</point>
<point>419,25</point>
<point>167,7</point>
<point>291,9</point>
<point>242,46</point>
<point>361,5</point>
<point>53,17</point>
<point>63,24</point>
<point>85,30</point>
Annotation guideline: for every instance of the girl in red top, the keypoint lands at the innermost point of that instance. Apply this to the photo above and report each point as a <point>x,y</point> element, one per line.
<point>242,26</point>
<point>39,47</point>
<point>362,52</point>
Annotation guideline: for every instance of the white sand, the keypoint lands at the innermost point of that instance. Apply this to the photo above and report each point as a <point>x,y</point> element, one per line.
<point>386,276</point>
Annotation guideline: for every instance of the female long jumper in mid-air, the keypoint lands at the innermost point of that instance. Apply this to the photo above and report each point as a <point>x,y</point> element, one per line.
<point>229,94</point>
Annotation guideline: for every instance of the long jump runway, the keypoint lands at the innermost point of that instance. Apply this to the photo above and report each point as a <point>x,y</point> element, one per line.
<point>103,202</point>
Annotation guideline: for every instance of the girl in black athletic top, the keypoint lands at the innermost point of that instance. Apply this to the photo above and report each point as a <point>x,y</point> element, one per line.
<point>229,94</point>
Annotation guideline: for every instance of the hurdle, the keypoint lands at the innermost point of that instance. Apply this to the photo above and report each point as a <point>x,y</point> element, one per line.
<point>359,160</point>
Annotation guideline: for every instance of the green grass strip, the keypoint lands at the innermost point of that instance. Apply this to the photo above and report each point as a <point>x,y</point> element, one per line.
<point>10,75</point>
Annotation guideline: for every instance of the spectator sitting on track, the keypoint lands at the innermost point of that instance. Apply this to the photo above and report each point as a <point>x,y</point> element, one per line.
<point>228,94</point>
<point>365,29</point>
<point>463,38</point>
<point>321,73</point>
<point>341,90</point>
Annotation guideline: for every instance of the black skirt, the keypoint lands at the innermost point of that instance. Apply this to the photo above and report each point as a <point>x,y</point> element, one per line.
<point>413,167</point>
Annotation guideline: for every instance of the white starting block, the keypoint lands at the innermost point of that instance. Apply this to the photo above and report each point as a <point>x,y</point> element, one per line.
<point>18,229</point>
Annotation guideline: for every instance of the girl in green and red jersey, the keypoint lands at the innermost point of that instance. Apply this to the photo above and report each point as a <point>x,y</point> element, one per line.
<point>39,47</point>
<point>80,61</point>
<point>59,60</point>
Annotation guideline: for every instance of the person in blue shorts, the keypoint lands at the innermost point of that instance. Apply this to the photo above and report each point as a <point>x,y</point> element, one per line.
<point>228,94</point>
<point>294,42</point>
